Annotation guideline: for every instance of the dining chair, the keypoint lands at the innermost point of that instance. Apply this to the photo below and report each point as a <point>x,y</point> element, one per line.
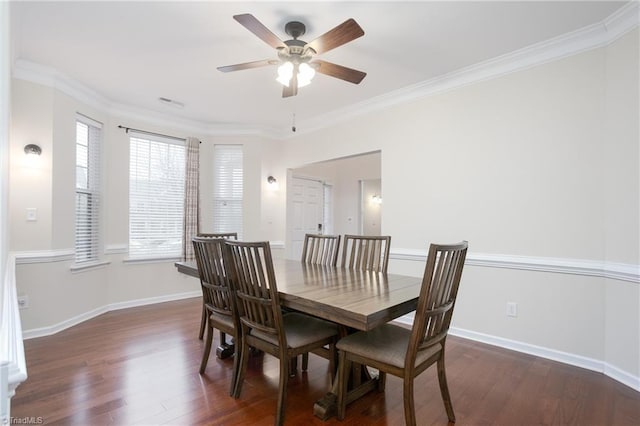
<point>406,353</point>
<point>203,320</point>
<point>366,252</point>
<point>263,324</point>
<point>321,249</point>
<point>217,297</point>
<point>225,235</point>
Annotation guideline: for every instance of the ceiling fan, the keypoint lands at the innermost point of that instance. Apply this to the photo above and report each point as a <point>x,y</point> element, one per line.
<point>297,65</point>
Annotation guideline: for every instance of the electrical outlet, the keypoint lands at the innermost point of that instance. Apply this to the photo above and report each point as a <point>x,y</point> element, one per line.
<point>23,302</point>
<point>32,214</point>
<point>512,309</point>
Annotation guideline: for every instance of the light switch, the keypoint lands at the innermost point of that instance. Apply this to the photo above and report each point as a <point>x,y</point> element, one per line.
<point>32,214</point>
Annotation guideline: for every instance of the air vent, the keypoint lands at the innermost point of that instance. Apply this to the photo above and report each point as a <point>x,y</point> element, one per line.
<point>171,102</point>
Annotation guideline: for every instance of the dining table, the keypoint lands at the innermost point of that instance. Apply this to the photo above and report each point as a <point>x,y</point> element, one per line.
<point>353,299</point>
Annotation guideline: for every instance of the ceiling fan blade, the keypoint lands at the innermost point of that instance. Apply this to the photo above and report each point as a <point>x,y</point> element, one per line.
<point>338,71</point>
<point>292,90</point>
<point>344,33</point>
<point>247,65</point>
<point>252,24</point>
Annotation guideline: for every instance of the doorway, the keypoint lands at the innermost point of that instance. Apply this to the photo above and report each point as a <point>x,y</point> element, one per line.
<point>339,184</point>
<point>306,211</point>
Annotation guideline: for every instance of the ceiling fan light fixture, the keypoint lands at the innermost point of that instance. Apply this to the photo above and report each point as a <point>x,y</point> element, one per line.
<point>294,55</point>
<point>305,74</point>
<point>285,72</point>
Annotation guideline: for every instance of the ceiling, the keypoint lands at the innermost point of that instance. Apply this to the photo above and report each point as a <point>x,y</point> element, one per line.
<point>132,53</point>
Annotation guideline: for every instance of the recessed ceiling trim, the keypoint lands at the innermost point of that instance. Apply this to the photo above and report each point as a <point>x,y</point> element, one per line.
<point>51,77</point>
<point>588,38</point>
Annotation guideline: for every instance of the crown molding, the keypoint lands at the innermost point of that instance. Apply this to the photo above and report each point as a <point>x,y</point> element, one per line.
<point>622,20</point>
<point>590,37</point>
<point>51,77</point>
<point>584,39</point>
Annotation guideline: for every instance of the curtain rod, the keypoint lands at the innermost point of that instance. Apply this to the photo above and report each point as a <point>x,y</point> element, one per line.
<point>126,129</point>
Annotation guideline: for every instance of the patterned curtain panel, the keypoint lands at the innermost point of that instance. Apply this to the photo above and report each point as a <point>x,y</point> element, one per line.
<point>191,198</point>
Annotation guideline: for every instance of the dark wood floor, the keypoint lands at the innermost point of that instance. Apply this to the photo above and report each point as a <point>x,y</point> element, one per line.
<point>140,366</point>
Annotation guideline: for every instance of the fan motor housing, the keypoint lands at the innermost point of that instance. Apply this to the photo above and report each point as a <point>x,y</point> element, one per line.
<point>295,29</point>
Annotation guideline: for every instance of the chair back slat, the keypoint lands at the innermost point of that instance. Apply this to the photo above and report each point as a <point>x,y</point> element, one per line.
<point>320,249</point>
<point>437,297</point>
<point>253,281</point>
<point>225,235</point>
<point>366,253</point>
<point>214,279</point>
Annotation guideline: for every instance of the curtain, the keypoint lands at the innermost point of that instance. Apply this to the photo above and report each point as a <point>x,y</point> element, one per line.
<point>191,198</point>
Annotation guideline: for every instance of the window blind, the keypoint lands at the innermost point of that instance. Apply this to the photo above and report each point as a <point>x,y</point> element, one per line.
<point>227,189</point>
<point>156,197</point>
<point>88,189</point>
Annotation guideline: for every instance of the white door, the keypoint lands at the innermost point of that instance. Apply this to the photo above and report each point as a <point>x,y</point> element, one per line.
<point>306,207</point>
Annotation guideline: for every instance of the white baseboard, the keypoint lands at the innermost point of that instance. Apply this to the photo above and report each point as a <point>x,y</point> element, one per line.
<point>615,373</point>
<point>609,370</point>
<point>552,354</point>
<point>622,376</point>
<point>56,328</point>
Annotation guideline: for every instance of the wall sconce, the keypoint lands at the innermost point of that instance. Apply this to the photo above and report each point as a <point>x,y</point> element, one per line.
<point>376,199</point>
<point>32,149</point>
<point>272,183</point>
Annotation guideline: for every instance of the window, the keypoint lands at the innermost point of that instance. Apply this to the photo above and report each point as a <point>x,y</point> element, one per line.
<point>227,189</point>
<point>88,158</point>
<point>156,197</point>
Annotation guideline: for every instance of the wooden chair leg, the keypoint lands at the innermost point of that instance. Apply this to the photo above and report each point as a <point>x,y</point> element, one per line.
<point>236,367</point>
<point>244,361</point>
<point>444,390</point>
<point>282,389</point>
<point>343,378</point>
<point>409,407</point>
<point>207,350</point>
<point>203,322</point>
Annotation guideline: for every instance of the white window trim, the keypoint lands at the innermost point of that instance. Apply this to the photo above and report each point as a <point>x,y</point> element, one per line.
<point>98,261</point>
<point>150,257</point>
<point>227,149</point>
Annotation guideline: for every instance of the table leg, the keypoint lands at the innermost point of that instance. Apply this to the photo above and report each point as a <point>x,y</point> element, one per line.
<point>360,384</point>
<point>224,350</point>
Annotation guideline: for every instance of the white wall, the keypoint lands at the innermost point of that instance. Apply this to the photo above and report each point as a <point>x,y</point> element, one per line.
<point>541,164</point>
<point>621,156</point>
<point>371,210</point>
<point>345,175</point>
<point>58,297</point>
<point>5,116</point>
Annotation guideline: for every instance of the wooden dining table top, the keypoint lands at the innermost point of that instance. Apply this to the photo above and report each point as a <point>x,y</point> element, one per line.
<point>358,299</point>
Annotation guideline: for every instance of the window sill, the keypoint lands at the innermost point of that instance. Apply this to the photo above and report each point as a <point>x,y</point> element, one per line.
<point>82,267</point>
